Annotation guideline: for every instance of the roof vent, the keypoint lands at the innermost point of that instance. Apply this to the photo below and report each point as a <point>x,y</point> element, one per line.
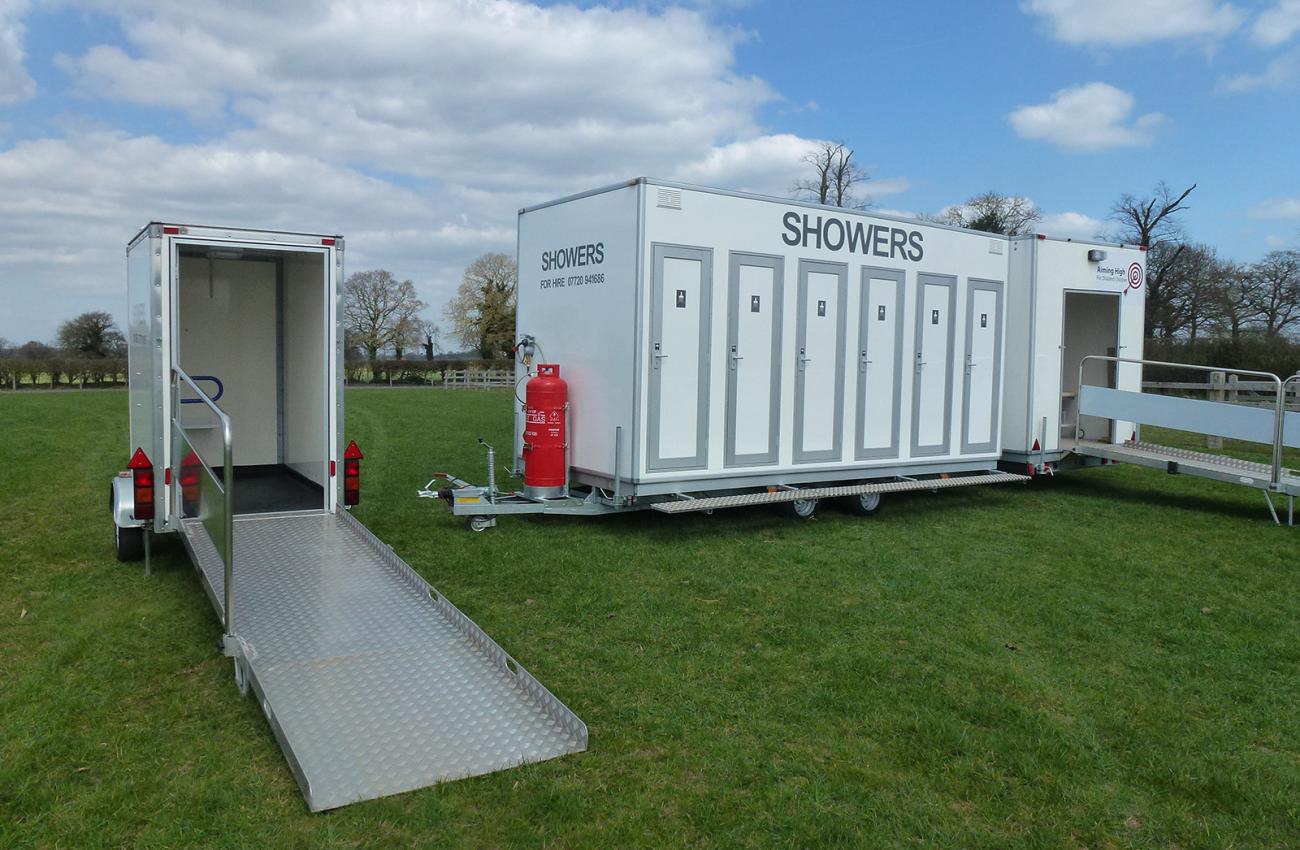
<point>670,199</point>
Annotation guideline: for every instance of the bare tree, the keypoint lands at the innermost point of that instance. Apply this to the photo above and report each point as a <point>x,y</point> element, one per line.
<point>1150,220</point>
<point>92,334</point>
<point>992,212</point>
<point>1235,313</point>
<point>429,333</point>
<point>1275,297</point>
<point>836,177</point>
<point>1199,291</point>
<point>378,309</point>
<point>482,314</point>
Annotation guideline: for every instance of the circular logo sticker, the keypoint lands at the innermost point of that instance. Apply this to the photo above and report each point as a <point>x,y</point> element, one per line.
<point>1135,276</point>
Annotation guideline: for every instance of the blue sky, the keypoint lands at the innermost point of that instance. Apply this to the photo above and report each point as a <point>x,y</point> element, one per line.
<point>417,129</point>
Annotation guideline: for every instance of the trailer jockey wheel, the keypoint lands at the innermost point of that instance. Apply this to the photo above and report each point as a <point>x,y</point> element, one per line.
<point>241,677</point>
<point>863,504</point>
<point>480,523</point>
<point>802,508</point>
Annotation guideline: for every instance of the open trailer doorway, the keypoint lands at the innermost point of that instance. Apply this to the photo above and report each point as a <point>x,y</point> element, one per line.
<point>251,328</point>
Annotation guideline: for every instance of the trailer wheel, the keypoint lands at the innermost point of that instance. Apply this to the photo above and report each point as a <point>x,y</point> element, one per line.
<point>863,504</point>
<point>128,543</point>
<point>480,523</point>
<point>802,508</point>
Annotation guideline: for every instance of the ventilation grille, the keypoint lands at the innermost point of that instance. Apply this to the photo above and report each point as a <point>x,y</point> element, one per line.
<point>670,199</point>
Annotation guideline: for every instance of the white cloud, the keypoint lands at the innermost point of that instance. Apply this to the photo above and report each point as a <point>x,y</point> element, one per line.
<point>1070,225</point>
<point>1090,117</point>
<point>1277,208</point>
<point>15,84</point>
<point>1125,23</point>
<point>1281,72</point>
<point>417,129</point>
<point>1277,25</point>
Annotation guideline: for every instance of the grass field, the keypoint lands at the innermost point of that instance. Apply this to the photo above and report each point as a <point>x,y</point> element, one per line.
<point>1108,659</point>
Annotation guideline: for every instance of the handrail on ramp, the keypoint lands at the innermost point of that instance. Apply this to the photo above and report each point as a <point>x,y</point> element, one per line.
<point>226,545</point>
<point>1245,421</point>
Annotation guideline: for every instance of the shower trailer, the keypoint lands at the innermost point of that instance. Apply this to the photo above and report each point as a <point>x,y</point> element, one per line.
<point>723,348</point>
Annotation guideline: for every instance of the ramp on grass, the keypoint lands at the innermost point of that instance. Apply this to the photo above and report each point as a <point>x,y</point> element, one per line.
<point>372,682</point>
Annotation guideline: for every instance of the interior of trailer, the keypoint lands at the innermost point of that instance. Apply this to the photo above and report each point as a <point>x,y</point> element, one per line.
<point>251,331</point>
<point>1090,325</point>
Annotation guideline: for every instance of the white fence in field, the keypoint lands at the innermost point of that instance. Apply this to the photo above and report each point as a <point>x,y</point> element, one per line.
<point>478,378</point>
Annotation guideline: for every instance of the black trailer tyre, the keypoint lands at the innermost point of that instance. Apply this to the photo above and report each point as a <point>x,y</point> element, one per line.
<point>802,508</point>
<point>863,504</point>
<point>128,543</point>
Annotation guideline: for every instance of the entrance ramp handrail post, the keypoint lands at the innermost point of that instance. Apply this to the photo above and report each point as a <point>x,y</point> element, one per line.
<point>1279,411</point>
<point>227,489</point>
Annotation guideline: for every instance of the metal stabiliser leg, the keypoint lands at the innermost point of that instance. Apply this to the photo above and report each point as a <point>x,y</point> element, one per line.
<point>1268,497</point>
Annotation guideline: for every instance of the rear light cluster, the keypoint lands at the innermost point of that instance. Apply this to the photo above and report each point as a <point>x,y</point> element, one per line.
<point>352,474</point>
<point>190,483</point>
<point>142,482</point>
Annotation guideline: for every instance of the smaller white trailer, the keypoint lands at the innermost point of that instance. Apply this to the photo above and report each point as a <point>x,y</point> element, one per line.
<point>372,682</point>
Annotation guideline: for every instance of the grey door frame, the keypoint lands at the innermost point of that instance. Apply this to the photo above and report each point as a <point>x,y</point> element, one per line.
<point>899,277</point>
<point>737,260</point>
<point>974,285</point>
<point>922,280</point>
<point>1112,377</point>
<point>704,256</point>
<point>841,271</point>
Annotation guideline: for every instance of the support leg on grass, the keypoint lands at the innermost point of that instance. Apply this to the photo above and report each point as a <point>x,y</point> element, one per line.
<point>1268,497</point>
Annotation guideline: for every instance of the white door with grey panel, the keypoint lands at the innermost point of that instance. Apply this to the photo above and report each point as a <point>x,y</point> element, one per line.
<point>679,358</point>
<point>819,361</point>
<point>753,359</point>
<point>932,370</point>
<point>982,384</point>
<point>880,362</point>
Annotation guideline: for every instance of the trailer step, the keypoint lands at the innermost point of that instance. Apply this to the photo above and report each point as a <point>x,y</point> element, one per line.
<point>1189,462</point>
<point>371,680</point>
<point>739,500</point>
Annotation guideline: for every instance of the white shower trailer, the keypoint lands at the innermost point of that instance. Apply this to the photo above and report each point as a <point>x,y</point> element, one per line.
<point>715,341</point>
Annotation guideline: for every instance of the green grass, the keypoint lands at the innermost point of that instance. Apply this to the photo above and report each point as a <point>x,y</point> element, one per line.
<point>1107,659</point>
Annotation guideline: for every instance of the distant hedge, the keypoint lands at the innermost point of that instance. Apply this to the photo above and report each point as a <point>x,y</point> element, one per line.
<point>1260,354</point>
<point>413,371</point>
<point>54,372</point>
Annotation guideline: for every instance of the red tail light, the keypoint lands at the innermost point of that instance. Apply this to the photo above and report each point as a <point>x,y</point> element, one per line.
<point>142,480</point>
<point>352,474</point>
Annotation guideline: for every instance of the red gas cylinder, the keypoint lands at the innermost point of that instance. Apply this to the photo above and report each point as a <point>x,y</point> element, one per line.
<point>546,468</point>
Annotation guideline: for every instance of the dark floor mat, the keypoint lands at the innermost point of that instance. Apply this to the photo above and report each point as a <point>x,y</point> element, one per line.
<point>264,489</point>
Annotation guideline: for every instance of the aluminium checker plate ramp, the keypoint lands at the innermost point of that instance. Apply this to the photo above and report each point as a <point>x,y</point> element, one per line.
<point>1190,462</point>
<point>739,500</point>
<point>373,683</point>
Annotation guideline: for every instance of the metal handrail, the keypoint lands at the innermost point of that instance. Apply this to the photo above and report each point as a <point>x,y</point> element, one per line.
<point>1279,412</point>
<point>226,488</point>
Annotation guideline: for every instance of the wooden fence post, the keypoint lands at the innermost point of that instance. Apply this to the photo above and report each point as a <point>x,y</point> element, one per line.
<point>1214,441</point>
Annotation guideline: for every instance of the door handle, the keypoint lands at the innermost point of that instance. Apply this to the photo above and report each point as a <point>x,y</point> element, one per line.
<point>658,354</point>
<point>735,357</point>
<point>863,362</point>
<point>803,360</point>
